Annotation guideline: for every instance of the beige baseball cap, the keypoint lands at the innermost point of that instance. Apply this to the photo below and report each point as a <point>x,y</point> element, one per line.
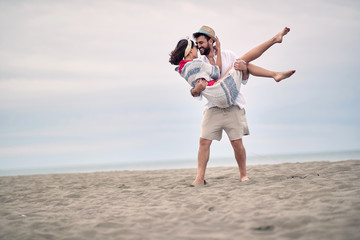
<point>207,31</point>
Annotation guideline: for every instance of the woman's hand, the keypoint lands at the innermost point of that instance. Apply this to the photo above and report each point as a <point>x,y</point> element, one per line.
<point>217,46</point>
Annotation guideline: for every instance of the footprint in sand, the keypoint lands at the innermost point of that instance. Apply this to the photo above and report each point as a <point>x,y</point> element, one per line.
<point>264,228</point>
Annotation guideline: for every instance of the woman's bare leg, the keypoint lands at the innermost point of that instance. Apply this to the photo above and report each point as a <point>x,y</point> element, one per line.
<point>223,77</point>
<point>259,50</point>
<point>262,72</point>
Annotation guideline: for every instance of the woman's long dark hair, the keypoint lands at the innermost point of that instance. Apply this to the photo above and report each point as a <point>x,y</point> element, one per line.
<point>178,54</point>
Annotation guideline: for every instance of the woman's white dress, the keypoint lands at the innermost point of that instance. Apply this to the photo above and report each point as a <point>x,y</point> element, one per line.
<point>222,94</point>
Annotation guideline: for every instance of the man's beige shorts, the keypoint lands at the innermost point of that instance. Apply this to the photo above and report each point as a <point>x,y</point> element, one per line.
<point>231,119</point>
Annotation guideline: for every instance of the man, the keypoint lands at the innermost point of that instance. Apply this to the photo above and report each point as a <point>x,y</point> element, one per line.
<point>215,120</point>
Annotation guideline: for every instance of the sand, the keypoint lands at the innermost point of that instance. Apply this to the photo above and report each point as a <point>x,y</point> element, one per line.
<point>317,200</point>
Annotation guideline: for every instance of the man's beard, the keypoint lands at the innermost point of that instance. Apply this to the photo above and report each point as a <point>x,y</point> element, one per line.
<point>206,51</point>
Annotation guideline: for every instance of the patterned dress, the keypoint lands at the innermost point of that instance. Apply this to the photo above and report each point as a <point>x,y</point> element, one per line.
<point>223,94</point>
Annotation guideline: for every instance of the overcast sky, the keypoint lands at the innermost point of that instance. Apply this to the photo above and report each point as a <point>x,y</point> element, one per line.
<point>90,82</point>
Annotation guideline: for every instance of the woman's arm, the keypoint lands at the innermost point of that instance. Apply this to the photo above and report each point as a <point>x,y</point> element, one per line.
<point>218,54</point>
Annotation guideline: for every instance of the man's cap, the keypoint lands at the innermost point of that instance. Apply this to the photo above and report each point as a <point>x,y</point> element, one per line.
<point>207,31</point>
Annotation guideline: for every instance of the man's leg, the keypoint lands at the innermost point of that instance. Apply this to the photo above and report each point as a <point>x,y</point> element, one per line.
<point>203,158</point>
<point>259,50</point>
<point>240,156</point>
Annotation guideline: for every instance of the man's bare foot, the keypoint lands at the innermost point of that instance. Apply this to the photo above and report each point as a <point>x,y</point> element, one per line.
<point>279,37</point>
<point>283,75</point>
<point>198,182</point>
<point>245,178</point>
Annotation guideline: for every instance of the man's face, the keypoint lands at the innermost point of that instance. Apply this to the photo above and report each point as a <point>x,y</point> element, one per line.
<point>203,45</point>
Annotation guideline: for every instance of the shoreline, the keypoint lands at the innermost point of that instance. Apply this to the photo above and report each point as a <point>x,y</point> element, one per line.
<point>252,159</point>
<point>311,200</point>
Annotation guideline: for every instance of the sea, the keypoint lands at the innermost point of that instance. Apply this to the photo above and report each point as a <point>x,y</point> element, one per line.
<point>252,159</point>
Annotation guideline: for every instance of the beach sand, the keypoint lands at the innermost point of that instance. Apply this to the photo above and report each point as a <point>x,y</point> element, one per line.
<point>316,200</point>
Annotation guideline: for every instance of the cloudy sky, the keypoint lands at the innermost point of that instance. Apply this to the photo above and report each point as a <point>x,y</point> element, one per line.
<point>89,81</point>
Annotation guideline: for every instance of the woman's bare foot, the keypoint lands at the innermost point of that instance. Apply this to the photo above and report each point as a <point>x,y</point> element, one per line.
<point>283,75</point>
<point>279,37</point>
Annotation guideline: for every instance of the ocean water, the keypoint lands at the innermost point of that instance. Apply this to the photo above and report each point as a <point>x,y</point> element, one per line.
<point>252,159</point>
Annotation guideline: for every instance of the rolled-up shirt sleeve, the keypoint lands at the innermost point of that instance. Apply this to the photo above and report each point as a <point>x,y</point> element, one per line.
<point>199,98</point>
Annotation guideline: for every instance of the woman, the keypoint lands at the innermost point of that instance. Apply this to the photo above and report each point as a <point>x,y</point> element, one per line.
<point>221,92</point>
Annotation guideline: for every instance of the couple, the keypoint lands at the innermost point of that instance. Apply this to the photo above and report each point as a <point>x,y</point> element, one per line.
<point>218,75</point>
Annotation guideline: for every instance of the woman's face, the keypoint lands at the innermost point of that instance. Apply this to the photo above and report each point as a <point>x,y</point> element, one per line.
<point>194,52</point>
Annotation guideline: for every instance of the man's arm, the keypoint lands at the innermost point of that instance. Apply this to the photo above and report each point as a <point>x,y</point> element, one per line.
<point>241,65</point>
<point>199,87</point>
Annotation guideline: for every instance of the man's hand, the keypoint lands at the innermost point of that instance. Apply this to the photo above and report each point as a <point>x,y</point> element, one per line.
<point>240,65</point>
<point>200,86</point>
